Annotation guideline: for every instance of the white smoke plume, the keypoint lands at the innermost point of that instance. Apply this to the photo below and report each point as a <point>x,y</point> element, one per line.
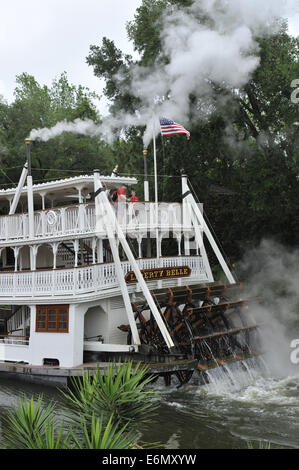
<point>272,275</point>
<point>78,126</point>
<point>222,51</point>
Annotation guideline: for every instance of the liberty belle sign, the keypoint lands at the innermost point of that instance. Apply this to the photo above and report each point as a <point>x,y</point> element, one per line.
<point>160,273</point>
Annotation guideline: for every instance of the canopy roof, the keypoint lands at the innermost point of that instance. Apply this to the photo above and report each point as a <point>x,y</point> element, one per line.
<point>67,188</point>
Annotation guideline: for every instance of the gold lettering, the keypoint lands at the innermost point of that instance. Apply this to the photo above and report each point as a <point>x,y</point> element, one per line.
<point>158,273</point>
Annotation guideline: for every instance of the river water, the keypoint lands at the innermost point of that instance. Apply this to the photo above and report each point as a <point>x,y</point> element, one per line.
<point>240,406</point>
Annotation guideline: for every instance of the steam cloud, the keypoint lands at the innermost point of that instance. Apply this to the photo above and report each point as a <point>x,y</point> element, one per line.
<point>220,51</point>
<point>272,273</point>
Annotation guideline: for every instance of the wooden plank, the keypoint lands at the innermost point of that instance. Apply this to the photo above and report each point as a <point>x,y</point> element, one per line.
<point>219,334</point>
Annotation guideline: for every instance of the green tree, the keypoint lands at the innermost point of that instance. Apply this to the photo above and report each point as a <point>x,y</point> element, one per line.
<point>37,106</point>
<point>248,146</point>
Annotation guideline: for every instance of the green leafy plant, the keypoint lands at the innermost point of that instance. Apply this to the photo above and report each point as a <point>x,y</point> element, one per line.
<point>99,436</point>
<point>118,391</point>
<point>53,437</point>
<point>104,409</point>
<point>31,426</point>
<point>262,445</point>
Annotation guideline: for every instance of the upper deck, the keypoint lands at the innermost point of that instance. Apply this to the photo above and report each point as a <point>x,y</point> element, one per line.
<point>63,220</point>
<point>79,263</point>
<point>77,220</point>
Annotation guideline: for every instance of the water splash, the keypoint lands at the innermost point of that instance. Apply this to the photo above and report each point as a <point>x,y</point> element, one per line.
<point>233,377</point>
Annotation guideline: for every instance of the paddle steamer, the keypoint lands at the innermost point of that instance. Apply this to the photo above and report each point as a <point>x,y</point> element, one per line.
<point>85,280</point>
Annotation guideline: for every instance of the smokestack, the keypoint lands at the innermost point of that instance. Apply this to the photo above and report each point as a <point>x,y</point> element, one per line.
<point>28,142</point>
<point>146,187</point>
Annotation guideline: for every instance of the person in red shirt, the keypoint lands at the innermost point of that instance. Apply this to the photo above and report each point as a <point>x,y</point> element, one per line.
<point>133,197</point>
<point>121,194</point>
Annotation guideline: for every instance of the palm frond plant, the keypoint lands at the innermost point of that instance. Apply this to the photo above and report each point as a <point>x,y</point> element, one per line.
<point>100,436</point>
<point>262,445</point>
<point>105,410</point>
<point>54,437</point>
<point>80,398</point>
<point>30,424</point>
<point>119,390</point>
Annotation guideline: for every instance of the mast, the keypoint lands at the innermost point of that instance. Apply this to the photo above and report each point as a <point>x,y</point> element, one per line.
<point>156,189</point>
<point>146,199</point>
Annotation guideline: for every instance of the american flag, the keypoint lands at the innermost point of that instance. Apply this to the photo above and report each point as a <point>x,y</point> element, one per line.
<point>169,127</point>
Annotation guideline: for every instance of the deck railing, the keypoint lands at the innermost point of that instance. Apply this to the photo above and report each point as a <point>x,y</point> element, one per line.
<point>81,218</point>
<point>86,279</point>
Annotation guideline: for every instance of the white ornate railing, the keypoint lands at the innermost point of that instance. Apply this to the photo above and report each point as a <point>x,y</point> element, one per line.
<point>87,279</point>
<point>81,218</point>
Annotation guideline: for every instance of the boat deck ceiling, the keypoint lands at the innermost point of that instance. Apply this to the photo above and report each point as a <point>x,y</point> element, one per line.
<point>65,189</point>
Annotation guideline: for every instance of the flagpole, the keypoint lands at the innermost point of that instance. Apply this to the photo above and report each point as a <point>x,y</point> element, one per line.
<point>156,188</point>
<point>155,166</point>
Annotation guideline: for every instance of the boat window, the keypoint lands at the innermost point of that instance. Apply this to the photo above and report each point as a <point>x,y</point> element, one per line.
<point>53,318</point>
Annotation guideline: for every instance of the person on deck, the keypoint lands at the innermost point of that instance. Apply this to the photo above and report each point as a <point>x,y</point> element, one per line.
<point>122,194</point>
<point>133,197</point>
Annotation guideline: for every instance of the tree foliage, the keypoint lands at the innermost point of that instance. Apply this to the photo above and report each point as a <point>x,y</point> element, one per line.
<point>37,106</point>
<point>103,411</point>
<point>248,146</point>
<point>243,160</point>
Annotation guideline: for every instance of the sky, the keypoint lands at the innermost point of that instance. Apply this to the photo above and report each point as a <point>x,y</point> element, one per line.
<point>47,37</point>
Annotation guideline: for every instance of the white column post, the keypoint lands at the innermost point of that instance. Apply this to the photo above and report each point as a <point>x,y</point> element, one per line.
<point>33,255</point>
<point>179,239</point>
<point>76,250</point>
<point>16,250</point>
<point>93,246</point>
<point>80,198</point>
<point>43,198</point>
<point>100,254</point>
<point>139,241</point>
<point>54,249</point>
<point>62,215</point>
